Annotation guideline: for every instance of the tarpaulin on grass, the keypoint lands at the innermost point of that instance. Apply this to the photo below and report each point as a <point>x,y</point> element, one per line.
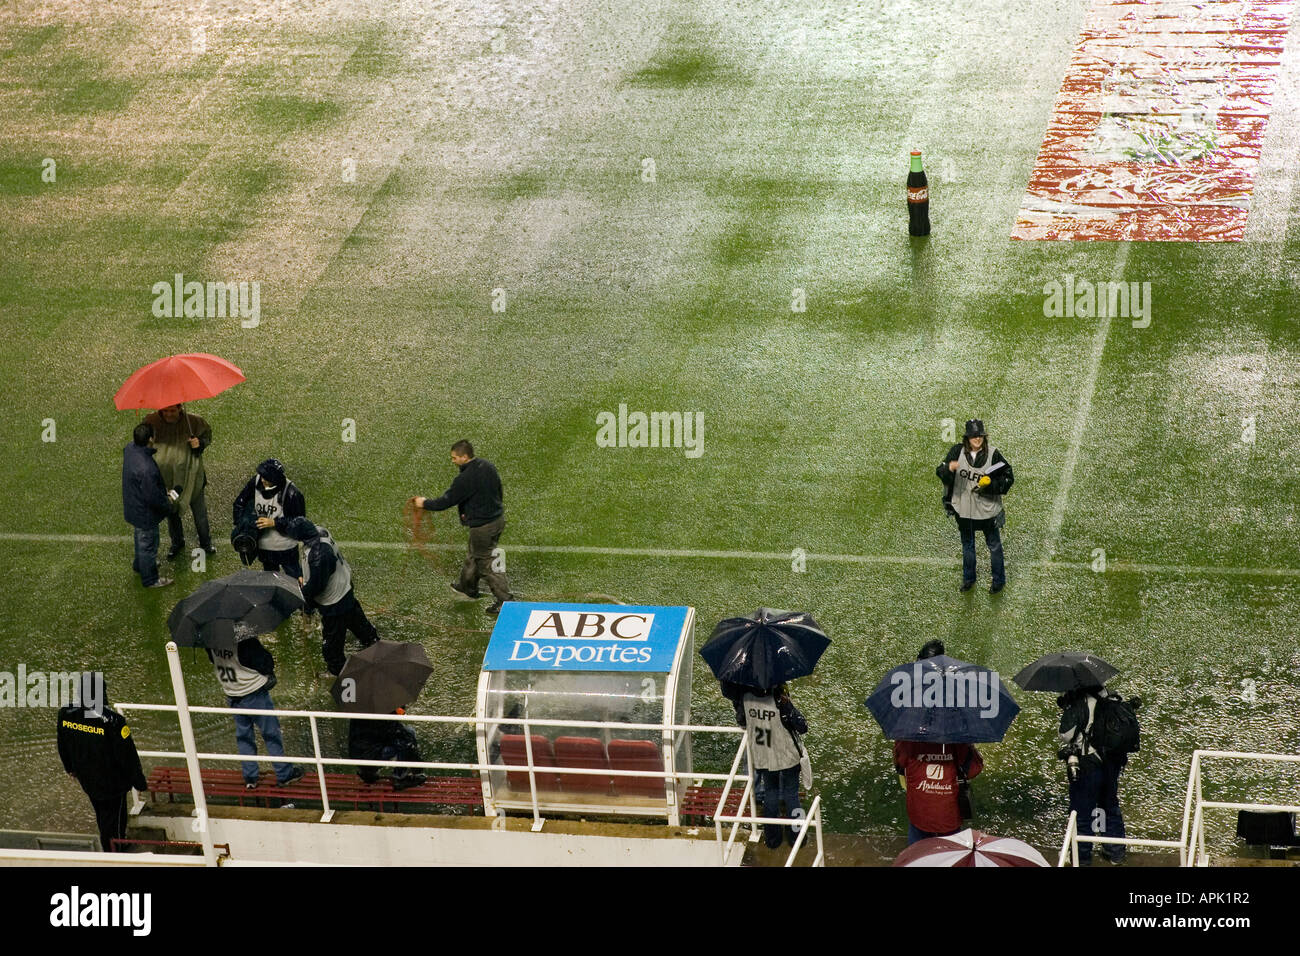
<point>1159,122</point>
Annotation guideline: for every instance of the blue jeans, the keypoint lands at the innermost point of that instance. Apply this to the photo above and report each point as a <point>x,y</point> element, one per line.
<point>146,555</point>
<point>777,787</point>
<point>269,725</point>
<point>913,834</point>
<point>1097,789</point>
<point>992,537</point>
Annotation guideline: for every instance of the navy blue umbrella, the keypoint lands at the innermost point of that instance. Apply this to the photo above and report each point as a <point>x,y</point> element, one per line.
<point>767,648</point>
<point>944,700</point>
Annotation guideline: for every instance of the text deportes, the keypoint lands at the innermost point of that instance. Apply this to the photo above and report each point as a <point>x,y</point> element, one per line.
<point>559,655</point>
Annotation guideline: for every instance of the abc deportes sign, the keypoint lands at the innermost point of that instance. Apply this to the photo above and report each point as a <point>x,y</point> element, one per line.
<point>589,637</point>
<point>588,625</point>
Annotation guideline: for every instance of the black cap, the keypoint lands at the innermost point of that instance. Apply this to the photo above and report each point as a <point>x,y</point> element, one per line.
<point>272,470</point>
<point>933,648</point>
<point>300,529</point>
<point>975,429</point>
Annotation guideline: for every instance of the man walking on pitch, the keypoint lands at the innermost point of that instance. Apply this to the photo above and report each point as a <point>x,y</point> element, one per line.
<point>180,439</point>
<point>476,492</point>
<point>975,478</point>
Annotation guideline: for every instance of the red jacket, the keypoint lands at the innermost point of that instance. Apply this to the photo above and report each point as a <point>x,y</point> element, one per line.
<point>930,770</point>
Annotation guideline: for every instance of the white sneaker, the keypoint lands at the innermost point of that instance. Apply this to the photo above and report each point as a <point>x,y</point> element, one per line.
<point>161,583</point>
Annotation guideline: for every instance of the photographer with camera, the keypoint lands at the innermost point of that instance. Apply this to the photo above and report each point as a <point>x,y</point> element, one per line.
<point>1099,729</point>
<point>975,477</point>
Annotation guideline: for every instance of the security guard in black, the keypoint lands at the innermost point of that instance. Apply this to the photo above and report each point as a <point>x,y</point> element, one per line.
<point>95,746</point>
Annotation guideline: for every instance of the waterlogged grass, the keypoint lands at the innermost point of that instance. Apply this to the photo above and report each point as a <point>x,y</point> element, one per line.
<point>683,68</point>
<point>283,114</point>
<point>821,428</point>
<point>79,85</point>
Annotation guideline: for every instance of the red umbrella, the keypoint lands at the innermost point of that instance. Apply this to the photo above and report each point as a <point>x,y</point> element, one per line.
<point>176,379</point>
<point>970,848</point>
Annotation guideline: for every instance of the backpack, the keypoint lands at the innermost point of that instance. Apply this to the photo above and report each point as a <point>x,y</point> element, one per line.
<point>1114,729</point>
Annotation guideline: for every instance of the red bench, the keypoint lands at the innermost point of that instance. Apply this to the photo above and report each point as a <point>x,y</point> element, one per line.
<point>343,789</point>
<point>702,801</point>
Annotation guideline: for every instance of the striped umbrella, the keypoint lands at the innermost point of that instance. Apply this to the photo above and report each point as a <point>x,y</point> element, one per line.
<point>970,848</point>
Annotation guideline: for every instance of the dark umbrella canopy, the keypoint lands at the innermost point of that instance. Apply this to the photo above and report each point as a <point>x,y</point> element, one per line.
<point>382,677</point>
<point>258,601</point>
<point>944,700</point>
<point>767,648</point>
<point>1066,671</point>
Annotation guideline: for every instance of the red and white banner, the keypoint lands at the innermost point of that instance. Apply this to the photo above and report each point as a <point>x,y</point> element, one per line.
<point>1159,122</point>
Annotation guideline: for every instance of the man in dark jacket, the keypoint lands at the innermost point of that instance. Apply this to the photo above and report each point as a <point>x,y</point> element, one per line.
<point>385,740</point>
<point>327,586</point>
<point>269,495</point>
<point>145,502</point>
<point>247,674</point>
<point>97,751</point>
<point>975,478</point>
<point>476,493</point>
<point>1093,774</point>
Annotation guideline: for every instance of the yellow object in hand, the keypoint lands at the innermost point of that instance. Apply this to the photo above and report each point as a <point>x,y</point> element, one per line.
<point>985,481</point>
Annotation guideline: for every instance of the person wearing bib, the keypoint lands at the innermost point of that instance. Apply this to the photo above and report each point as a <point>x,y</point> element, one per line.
<point>246,674</point>
<point>269,495</point>
<point>772,721</point>
<point>327,587</point>
<point>975,477</point>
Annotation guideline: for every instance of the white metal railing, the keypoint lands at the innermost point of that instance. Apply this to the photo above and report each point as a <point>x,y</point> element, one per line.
<point>192,757</point>
<point>1191,842</point>
<point>1070,845</point>
<point>1194,817</point>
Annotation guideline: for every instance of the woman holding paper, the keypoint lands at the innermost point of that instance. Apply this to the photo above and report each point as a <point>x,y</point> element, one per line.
<point>975,477</point>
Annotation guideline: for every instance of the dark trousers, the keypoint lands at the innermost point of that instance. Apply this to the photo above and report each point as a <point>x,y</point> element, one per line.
<point>1094,797</point>
<point>478,562</point>
<point>778,787</point>
<point>110,817</point>
<point>286,561</point>
<point>914,834</point>
<point>396,750</point>
<point>146,555</point>
<point>992,537</point>
<point>176,530</point>
<point>336,627</point>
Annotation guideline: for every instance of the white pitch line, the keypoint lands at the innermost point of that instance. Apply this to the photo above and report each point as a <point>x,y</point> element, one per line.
<point>1081,420</point>
<point>684,553</point>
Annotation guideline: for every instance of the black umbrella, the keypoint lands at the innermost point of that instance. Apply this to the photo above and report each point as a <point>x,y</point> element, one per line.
<point>1065,671</point>
<point>767,648</point>
<point>382,677</point>
<point>256,600</point>
<point>944,700</point>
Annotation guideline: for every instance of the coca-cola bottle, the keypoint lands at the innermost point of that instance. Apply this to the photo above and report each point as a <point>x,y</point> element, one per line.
<point>918,198</point>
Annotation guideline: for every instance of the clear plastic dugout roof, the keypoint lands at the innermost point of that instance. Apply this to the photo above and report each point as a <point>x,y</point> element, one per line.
<point>594,687</point>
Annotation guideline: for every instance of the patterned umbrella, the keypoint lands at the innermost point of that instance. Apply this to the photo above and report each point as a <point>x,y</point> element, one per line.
<point>970,848</point>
